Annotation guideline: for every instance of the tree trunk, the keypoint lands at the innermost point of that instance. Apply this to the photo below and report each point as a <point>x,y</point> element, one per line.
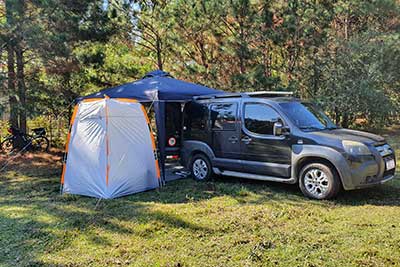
<point>241,51</point>
<point>13,101</point>
<point>337,116</point>
<point>21,88</point>
<point>159,54</point>
<point>345,120</point>
<point>50,130</point>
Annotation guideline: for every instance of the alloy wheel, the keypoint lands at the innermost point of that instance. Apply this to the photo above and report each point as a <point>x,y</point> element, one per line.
<point>316,182</point>
<point>200,169</point>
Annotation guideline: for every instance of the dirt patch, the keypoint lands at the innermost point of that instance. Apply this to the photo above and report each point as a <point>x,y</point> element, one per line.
<point>42,162</point>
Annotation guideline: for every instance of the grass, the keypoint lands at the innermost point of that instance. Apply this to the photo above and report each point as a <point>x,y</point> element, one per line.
<point>228,222</point>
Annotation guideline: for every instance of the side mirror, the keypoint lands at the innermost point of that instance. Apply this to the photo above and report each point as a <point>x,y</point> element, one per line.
<point>279,129</point>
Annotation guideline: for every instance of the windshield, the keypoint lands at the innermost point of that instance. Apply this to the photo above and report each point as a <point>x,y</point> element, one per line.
<point>307,116</point>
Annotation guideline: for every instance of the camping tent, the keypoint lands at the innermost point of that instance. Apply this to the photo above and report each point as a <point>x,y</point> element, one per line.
<point>111,152</point>
<point>158,87</point>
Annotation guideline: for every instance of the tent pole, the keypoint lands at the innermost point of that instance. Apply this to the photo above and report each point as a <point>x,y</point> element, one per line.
<point>159,109</point>
<point>151,105</point>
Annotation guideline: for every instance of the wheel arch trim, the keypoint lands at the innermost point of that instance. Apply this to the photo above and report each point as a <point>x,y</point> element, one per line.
<point>191,147</point>
<point>301,153</point>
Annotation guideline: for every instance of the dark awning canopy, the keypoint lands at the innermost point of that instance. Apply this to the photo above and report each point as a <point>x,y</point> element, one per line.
<point>160,87</point>
<point>156,85</point>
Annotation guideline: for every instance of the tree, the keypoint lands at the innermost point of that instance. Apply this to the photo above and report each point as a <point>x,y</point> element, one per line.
<point>343,54</point>
<point>197,32</point>
<point>150,29</point>
<point>9,38</point>
<point>359,49</point>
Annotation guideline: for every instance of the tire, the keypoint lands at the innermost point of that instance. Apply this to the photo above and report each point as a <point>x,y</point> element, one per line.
<point>200,167</point>
<point>40,143</point>
<point>319,181</point>
<point>7,146</point>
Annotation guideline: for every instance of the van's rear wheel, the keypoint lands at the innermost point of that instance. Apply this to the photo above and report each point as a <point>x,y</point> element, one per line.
<point>319,181</point>
<point>200,167</point>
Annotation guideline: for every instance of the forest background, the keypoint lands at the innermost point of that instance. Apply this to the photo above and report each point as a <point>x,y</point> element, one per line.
<point>345,55</point>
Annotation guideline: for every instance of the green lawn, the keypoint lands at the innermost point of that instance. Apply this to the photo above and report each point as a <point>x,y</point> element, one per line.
<point>228,222</point>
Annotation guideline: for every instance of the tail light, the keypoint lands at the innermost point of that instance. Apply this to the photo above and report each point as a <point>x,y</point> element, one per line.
<point>173,157</point>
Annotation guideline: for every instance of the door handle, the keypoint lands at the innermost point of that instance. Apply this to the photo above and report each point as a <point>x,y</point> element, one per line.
<point>246,140</point>
<point>233,139</point>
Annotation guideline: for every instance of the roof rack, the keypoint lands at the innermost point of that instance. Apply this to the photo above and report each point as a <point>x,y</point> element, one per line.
<point>270,93</point>
<point>246,94</point>
<point>227,95</point>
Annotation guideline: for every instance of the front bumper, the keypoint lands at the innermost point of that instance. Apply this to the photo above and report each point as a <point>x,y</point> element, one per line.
<point>367,171</point>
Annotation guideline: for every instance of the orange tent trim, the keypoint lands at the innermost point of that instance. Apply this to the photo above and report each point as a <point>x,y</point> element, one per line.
<point>67,142</point>
<point>153,142</point>
<point>127,100</point>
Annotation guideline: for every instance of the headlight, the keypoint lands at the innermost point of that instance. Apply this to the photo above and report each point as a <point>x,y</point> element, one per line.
<point>355,148</point>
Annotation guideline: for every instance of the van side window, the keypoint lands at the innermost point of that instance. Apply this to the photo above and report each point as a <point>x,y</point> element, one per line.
<point>223,116</point>
<point>260,118</point>
<point>195,116</point>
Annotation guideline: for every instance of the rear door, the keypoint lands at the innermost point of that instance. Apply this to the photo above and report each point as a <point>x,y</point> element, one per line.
<point>263,152</point>
<point>173,126</point>
<point>225,130</point>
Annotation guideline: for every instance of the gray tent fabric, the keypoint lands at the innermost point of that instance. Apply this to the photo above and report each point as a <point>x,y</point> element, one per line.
<point>110,150</point>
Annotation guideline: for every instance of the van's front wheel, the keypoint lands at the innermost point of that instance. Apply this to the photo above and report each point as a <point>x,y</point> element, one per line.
<point>200,167</point>
<point>319,181</point>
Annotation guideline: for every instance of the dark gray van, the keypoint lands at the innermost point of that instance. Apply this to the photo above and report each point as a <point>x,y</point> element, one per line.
<point>274,137</point>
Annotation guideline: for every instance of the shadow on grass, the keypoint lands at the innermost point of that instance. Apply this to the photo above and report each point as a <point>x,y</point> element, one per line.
<point>35,219</point>
<point>387,194</point>
<point>29,191</point>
